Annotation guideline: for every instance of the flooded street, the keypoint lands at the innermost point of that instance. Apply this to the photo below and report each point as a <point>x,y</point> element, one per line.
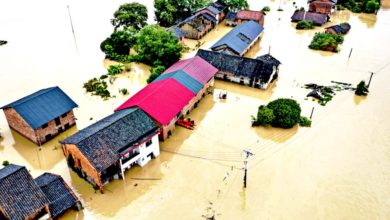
<point>337,169</point>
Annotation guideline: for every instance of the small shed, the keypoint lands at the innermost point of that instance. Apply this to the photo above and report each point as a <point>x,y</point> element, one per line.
<point>42,115</point>
<point>61,197</point>
<point>341,29</point>
<point>249,15</point>
<point>317,18</point>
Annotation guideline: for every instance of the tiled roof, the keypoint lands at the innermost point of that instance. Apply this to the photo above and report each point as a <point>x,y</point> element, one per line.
<point>316,18</point>
<point>231,16</point>
<point>20,196</point>
<point>161,100</point>
<point>342,28</point>
<point>261,68</point>
<point>60,195</point>
<point>42,106</point>
<point>104,141</point>
<point>240,38</point>
<point>196,67</point>
<point>177,31</point>
<point>184,79</point>
<point>250,15</point>
<point>333,1</point>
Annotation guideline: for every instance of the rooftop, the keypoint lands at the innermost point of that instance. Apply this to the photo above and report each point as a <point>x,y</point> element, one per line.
<point>183,78</point>
<point>250,15</point>
<point>316,18</point>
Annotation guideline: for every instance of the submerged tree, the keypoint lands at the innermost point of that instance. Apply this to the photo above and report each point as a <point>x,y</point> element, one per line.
<point>155,72</point>
<point>361,89</point>
<point>155,45</point>
<point>235,5</point>
<point>129,15</point>
<point>118,44</point>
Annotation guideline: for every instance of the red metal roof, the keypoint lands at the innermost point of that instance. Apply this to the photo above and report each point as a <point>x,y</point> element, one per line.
<point>196,67</point>
<point>250,15</point>
<point>161,100</point>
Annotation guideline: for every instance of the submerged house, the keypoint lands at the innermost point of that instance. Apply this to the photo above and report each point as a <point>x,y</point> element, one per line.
<point>340,29</point>
<point>239,40</point>
<point>196,26</point>
<point>322,6</point>
<point>174,93</point>
<point>242,16</point>
<point>179,33</point>
<point>215,9</point>
<point>42,115</point>
<point>258,73</point>
<point>317,18</point>
<point>23,198</point>
<point>104,150</point>
<point>231,18</point>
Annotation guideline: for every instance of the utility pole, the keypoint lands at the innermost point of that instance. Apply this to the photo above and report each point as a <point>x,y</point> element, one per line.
<point>71,24</point>
<point>312,111</point>
<point>269,50</point>
<point>350,53</point>
<point>372,73</point>
<point>248,154</point>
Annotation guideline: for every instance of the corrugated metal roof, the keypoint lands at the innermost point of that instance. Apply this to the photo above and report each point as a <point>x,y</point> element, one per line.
<point>20,197</point>
<point>234,40</point>
<point>42,106</point>
<point>196,67</point>
<point>184,79</point>
<point>161,100</point>
<point>60,195</point>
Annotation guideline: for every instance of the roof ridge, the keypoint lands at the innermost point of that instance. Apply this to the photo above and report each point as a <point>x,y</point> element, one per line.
<point>16,170</point>
<point>29,98</point>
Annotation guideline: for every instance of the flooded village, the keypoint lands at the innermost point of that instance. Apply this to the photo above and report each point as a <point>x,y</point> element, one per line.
<point>339,168</point>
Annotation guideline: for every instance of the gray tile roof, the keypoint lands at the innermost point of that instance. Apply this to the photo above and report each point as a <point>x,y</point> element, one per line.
<point>20,196</point>
<point>240,37</point>
<point>42,106</point>
<point>241,66</point>
<point>60,195</point>
<point>104,141</point>
<point>231,16</point>
<point>316,18</point>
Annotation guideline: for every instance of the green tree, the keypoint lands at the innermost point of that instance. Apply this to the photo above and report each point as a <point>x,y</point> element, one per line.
<point>6,163</point>
<point>115,69</point>
<point>154,44</point>
<point>361,89</point>
<point>155,72</point>
<point>168,12</point>
<point>286,111</point>
<point>235,5</point>
<point>266,9</point>
<point>371,6</point>
<point>117,46</point>
<point>130,15</point>
<point>304,122</point>
<point>265,115</point>
<point>304,25</point>
<point>324,41</point>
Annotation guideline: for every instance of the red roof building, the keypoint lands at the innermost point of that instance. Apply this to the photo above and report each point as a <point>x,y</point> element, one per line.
<point>196,67</point>
<point>248,15</point>
<point>162,100</point>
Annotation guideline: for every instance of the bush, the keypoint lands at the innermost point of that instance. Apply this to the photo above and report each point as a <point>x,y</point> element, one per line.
<point>155,72</point>
<point>286,111</point>
<point>6,163</point>
<point>361,89</point>
<point>304,25</point>
<point>371,7</point>
<point>265,116</point>
<point>115,69</point>
<point>367,6</point>
<point>325,41</point>
<point>266,9</point>
<point>124,91</point>
<point>304,122</point>
<point>97,87</point>
<point>356,9</point>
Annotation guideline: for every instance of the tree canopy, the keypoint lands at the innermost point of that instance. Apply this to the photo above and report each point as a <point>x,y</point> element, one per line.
<point>361,89</point>
<point>130,15</point>
<point>235,5</point>
<point>168,12</point>
<point>325,41</point>
<point>282,113</point>
<point>119,43</point>
<point>155,46</point>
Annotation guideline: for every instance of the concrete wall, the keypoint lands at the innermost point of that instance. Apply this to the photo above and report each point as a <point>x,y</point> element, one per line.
<point>16,122</point>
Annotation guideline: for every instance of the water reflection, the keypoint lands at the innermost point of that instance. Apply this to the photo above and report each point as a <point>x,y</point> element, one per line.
<point>277,135</point>
<point>358,99</point>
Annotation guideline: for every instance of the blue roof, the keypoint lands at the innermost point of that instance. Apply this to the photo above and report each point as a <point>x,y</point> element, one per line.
<point>42,106</point>
<point>184,79</point>
<point>240,37</point>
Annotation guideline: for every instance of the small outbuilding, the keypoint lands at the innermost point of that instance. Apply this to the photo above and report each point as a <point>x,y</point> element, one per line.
<point>106,149</point>
<point>42,115</point>
<point>258,73</point>
<point>239,40</point>
<point>322,6</point>
<point>249,15</point>
<point>215,9</point>
<point>231,18</point>
<point>317,18</point>
<point>340,29</point>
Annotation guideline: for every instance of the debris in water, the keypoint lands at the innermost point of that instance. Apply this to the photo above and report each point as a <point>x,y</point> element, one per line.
<point>2,42</point>
<point>325,93</point>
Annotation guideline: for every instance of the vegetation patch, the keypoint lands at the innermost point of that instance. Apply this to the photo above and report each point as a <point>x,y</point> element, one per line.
<point>266,9</point>
<point>361,89</point>
<point>304,25</point>
<point>115,69</point>
<point>366,6</point>
<point>6,163</point>
<point>97,87</point>
<point>124,91</point>
<point>326,42</point>
<point>324,94</point>
<point>155,72</point>
<point>282,113</point>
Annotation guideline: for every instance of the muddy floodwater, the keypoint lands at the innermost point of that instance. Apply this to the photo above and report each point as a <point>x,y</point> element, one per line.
<point>337,169</point>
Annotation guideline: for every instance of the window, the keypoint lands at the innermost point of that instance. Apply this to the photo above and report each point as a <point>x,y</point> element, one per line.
<point>58,121</point>
<point>64,115</point>
<point>44,126</point>
<point>148,143</point>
